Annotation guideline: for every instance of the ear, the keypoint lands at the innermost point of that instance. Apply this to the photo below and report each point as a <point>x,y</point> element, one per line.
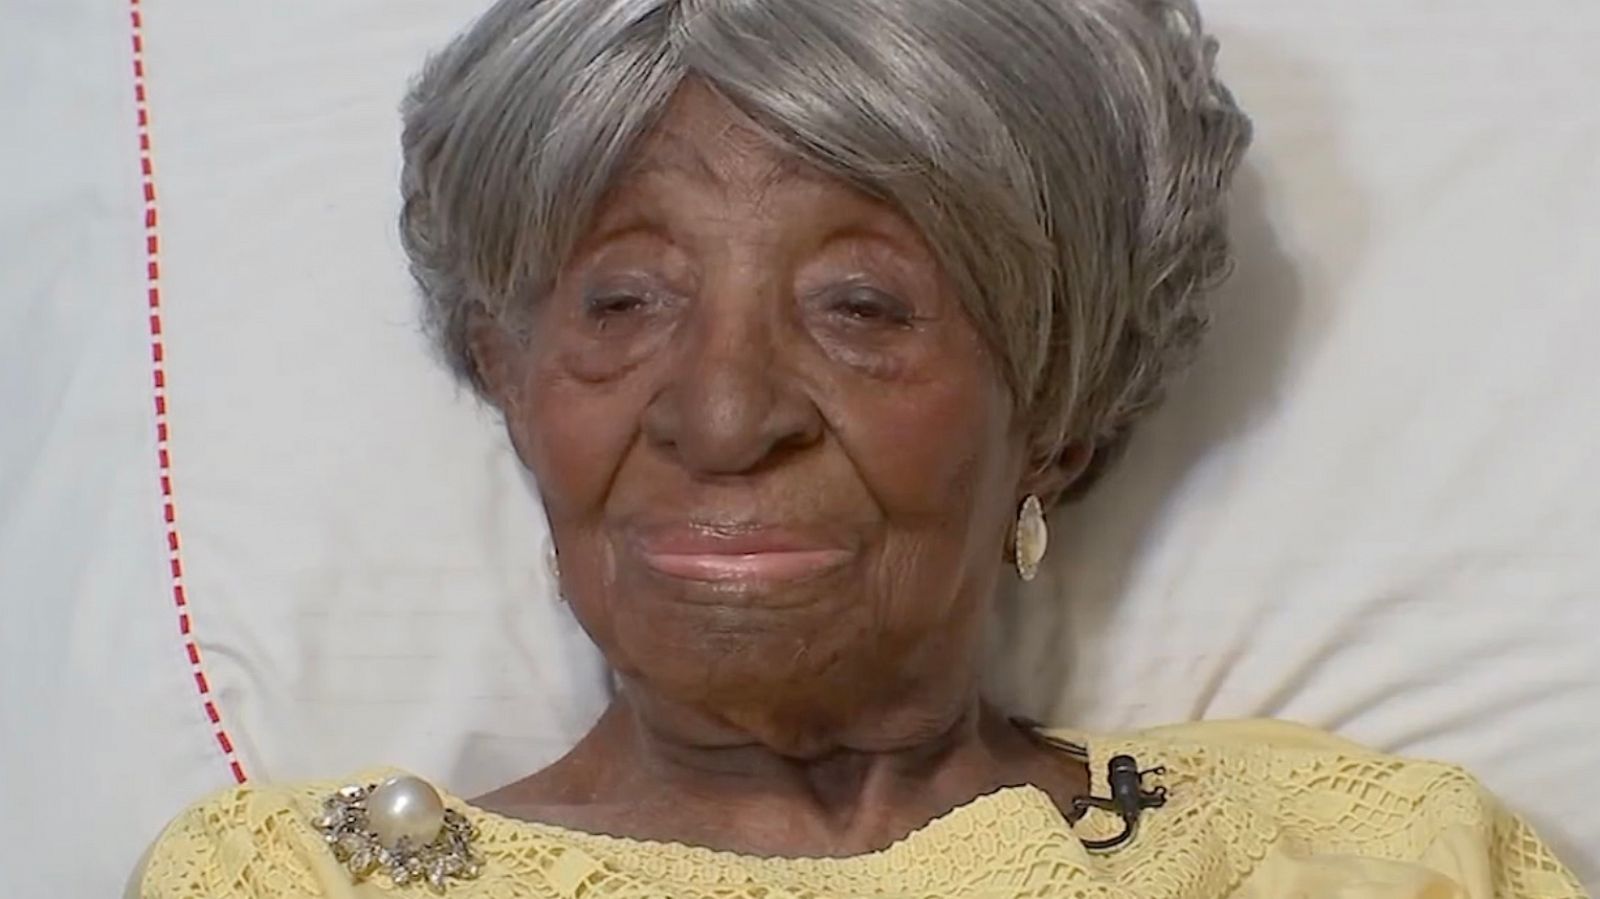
<point>494,353</point>
<point>1054,475</point>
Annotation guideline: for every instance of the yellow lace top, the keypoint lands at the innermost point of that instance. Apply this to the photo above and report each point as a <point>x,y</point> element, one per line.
<point>1257,810</point>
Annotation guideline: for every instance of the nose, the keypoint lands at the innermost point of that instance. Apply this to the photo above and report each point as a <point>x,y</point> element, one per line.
<point>729,406</point>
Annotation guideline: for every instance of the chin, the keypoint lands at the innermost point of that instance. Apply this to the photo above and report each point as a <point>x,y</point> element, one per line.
<point>799,664</point>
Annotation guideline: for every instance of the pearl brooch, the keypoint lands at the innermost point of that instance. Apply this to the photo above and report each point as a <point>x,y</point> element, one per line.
<point>404,808</point>
<point>399,827</point>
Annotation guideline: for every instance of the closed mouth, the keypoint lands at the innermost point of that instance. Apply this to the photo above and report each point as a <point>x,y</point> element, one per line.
<point>738,553</point>
<point>764,567</point>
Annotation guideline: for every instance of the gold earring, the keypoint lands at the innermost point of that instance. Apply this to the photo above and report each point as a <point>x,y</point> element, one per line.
<point>1032,538</point>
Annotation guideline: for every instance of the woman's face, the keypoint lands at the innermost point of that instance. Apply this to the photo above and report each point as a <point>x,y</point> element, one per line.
<point>778,463</point>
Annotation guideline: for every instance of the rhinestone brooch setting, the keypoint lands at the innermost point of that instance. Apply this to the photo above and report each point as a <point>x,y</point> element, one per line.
<point>399,828</point>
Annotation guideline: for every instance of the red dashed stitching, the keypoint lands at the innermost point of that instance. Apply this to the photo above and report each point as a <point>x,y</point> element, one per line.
<point>159,375</point>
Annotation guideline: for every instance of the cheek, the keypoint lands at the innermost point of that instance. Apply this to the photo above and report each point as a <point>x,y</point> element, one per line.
<point>937,457</point>
<point>937,444</point>
<point>572,435</point>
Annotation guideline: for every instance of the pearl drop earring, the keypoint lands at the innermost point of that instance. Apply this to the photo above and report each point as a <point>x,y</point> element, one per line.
<point>1033,537</point>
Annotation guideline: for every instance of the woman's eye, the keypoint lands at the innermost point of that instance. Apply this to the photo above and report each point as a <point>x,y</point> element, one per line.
<point>872,307</point>
<point>610,305</point>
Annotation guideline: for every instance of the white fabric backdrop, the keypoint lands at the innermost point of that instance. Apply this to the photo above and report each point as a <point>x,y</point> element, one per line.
<point>1372,507</point>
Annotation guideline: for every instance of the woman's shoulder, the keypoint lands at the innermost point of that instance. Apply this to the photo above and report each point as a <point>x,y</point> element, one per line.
<point>267,839</point>
<point>1272,732</point>
<point>253,839</point>
<point>1255,739</point>
<point>1268,782</point>
<point>224,845</point>
<point>1286,765</point>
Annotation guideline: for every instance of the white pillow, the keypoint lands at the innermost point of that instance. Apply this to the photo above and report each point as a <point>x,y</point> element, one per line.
<point>1367,509</point>
<point>1374,505</point>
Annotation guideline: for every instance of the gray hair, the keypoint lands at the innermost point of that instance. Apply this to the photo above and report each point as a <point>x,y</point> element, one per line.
<point>1067,160</point>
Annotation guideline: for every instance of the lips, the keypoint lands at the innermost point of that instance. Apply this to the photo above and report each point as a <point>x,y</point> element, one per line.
<point>738,553</point>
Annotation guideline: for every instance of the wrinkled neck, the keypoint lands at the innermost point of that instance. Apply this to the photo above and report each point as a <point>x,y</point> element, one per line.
<point>862,793</point>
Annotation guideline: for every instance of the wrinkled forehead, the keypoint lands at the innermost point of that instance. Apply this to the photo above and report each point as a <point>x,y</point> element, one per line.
<point>703,137</point>
<point>707,157</point>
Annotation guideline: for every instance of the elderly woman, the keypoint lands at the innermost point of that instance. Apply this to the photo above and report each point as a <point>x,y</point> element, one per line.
<point>803,313</point>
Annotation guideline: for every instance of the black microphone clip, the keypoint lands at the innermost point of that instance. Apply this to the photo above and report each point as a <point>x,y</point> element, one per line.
<point>1128,800</point>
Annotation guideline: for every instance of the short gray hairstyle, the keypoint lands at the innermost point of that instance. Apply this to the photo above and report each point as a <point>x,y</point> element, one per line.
<point>1067,160</point>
